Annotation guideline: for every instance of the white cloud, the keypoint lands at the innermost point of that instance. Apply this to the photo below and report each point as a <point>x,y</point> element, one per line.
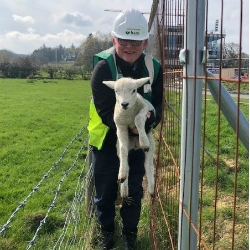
<point>29,41</point>
<point>75,19</point>
<point>22,36</point>
<point>31,30</point>
<point>66,36</point>
<point>23,19</point>
<point>51,21</point>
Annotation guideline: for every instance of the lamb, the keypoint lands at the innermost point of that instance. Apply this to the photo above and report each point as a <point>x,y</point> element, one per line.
<point>131,112</point>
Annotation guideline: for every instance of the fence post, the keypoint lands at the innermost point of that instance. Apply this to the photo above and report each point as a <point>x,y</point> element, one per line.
<point>90,184</point>
<point>191,124</point>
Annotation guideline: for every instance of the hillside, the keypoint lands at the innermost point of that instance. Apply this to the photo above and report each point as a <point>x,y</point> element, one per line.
<point>11,53</point>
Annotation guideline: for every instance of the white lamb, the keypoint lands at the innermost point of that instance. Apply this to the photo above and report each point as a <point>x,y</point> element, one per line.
<point>131,112</point>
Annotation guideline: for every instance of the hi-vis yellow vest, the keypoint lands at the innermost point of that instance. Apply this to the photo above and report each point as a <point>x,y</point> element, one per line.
<point>98,130</point>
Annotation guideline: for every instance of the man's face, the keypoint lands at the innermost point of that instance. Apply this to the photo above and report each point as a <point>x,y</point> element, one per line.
<point>129,53</point>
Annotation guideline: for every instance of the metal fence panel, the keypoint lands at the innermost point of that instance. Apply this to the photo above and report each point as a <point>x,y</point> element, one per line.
<point>221,190</point>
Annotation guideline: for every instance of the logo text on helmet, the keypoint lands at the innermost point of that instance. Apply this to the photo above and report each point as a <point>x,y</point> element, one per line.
<point>132,31</point>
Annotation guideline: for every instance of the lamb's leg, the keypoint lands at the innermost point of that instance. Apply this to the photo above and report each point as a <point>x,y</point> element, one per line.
<point>140,120</point>
<point>124,189</point>
<point>122,136</point>
<point>149,165</point>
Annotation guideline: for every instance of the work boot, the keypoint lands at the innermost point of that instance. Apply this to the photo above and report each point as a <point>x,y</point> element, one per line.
<point>129,239</point>
<point>107,237</point>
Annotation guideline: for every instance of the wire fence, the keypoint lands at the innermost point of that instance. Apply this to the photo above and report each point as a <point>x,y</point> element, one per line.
<point>222,215</point>
<point>5,227</point>
<point>77,229</point>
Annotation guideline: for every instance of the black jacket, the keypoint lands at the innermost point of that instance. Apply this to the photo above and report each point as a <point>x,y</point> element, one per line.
<point>104,97</point>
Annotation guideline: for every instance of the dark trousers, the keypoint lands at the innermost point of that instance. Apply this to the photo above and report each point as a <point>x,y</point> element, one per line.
<point>106,167</point>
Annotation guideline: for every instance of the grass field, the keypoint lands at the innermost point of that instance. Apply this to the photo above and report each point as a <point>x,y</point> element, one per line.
<point>38,120</point>
<point>226,182</point>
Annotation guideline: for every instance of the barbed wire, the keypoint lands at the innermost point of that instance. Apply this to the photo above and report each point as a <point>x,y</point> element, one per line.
<point>42,222</point>
<point>74,212</point>
<point>89,224</point>
<point>6,226</point>
<point>77,225</point>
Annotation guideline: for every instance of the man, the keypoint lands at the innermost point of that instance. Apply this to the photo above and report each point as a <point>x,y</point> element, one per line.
<point>125,59</point>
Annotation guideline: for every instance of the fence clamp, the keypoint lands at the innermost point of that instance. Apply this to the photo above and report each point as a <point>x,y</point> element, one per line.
<point>182,56</point>
<point>204,55</point>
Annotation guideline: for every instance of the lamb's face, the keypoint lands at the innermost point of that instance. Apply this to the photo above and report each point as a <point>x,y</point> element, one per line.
<point>126,93</point>
<point>126,90</point>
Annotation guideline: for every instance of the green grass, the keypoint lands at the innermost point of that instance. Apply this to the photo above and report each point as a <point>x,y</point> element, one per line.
<point>226,181</point>
<point>38,120</point>
<point>227,145</point>
<point>232,86</point>
<point>226,176</point>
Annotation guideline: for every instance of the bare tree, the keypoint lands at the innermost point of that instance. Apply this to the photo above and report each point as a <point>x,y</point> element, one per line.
<point>230,55</point>
<point>51,70</point>
<point>70,72</point>
<point>26,67</point>
<point>91,46</point>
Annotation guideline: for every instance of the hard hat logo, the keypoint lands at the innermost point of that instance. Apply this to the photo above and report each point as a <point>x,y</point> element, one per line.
<point>132,32</point>
<point>131,25</point>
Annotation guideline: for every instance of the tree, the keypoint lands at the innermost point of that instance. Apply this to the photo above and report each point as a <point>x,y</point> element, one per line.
<point>40,56</point>
<point>16,68</point>
<point>50,70</point>
<point>5,63</point>
<point>70,72</point>
<point>81,71</point>
<point>230,55</point>
<point>26,67</point>
<point>92,45</point>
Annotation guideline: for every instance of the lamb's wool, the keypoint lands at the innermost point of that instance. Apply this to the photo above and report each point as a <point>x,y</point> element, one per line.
<point>131,112</point>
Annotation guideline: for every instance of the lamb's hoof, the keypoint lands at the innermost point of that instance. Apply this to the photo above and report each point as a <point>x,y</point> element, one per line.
<point>146,149</point>
<point>121,180</point>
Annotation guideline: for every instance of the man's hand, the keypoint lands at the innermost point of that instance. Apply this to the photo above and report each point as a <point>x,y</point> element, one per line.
<point>148,125</point>
<point>150,122</point>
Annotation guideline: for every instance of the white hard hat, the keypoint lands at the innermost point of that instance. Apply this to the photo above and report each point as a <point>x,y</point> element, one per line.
<point>131,25</point>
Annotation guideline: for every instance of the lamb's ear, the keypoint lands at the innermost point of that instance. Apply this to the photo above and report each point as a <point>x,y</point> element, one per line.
<point>140,82</point>
<point>110,84</point>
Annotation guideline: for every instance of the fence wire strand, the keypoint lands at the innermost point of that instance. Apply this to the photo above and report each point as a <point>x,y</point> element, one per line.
<point>78,227</point>
<point>36,188</point>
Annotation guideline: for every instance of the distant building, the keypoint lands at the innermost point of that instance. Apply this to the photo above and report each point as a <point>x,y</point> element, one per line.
<point>214,40</point>
<point>174,42</point>
<point>69,55</point>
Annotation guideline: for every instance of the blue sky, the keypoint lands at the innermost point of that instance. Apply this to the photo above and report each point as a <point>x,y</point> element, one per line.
<point>26,25</point>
